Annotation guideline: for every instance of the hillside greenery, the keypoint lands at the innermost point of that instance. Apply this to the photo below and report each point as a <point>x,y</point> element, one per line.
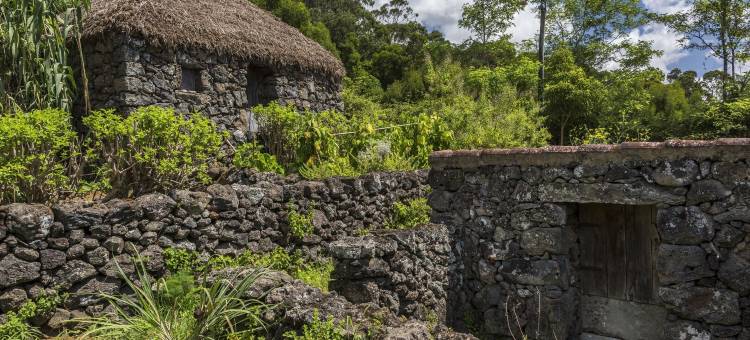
<point>408,92</point>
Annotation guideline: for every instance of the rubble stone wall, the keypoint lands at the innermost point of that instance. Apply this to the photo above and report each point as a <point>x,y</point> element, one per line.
<point>126,72</point>
<point>405,271</point>
<point>73,247</point>
<point>512,215</point>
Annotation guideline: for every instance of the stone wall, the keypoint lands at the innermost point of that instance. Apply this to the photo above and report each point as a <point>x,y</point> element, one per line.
<point>405,270</point>
<point>514,214</point>
<point>126,72</point>
<point>72,247</point>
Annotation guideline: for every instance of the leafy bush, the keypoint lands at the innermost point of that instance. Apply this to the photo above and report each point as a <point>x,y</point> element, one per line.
<point>154,312</point>
<point>180,260</point>
<point>411,214</point>
<point>152,149</point>
<point>317,275</point>
<point>250,156</point>
<point>336,167</point>
<point>300,225</point>
<point>35,151</point>
<point>319,330</point>
<point>16,325</point>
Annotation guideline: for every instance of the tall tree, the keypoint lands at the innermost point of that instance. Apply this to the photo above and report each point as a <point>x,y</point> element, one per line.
<point>596,31</point>
<point>488,19</point>
<point>396,12</point>
<point>719,26</point>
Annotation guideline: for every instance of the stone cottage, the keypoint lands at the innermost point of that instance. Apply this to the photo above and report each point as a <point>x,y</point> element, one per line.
<point>219,57</point>
<point>632,241</point>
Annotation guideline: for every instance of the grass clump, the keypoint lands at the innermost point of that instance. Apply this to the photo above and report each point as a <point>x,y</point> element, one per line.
<point>409,215</point>
<point>178,308</point>
<point>316,274</point>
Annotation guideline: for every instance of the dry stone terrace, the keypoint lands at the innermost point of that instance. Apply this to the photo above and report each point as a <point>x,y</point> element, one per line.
<point>630,241</point>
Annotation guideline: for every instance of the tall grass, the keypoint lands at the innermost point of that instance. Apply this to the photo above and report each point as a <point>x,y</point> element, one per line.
<point>177,309</point>
<point>34,58</point>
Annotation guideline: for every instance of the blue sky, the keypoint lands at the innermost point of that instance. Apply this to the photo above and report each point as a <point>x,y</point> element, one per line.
<point>443,15</point>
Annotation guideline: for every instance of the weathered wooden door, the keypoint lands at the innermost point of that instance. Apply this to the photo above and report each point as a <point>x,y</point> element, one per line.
<point>618,247</point>
<point>617,270</point>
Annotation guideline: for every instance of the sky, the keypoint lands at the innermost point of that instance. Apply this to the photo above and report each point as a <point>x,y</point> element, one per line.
<point>443,15</point>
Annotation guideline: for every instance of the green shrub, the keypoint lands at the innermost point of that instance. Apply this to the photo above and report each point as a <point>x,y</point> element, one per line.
<point>250,156</point>
<point>300,225</point>
<point>153,149</point>
<point>16,325</point>
<point>411,214</point>
<point>35,151</point>
<point>337,167</point>
<point>319,330</point>
<point>317,275</point>
<point>180,260</point>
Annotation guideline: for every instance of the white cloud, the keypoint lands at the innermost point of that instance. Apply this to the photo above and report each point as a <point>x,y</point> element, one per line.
<point>664,40</point>
<point>443,15</point>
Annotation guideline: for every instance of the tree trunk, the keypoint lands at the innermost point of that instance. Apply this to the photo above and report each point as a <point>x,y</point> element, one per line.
<point>724,54</point>
<point>542,24</point>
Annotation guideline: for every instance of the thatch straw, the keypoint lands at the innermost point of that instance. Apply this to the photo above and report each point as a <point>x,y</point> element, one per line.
<point>231,27</point>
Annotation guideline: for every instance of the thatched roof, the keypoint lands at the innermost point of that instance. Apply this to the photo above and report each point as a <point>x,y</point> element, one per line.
<point>232,27</point>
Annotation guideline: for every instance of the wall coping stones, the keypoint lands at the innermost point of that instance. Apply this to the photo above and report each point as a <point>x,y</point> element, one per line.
<point>729,149</point>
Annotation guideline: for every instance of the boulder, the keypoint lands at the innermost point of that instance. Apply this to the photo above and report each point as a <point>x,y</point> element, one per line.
<point>28,222</point>
<point>706,191</point>
<point>735,273</point>
<point>155,206</point>
<point>542,240</point>
<point>681,264</point>
<point>676,173</point>
<point>530,272</point>
<point>716,306</point>
<point>52,258</point>
<point>12,299</point>
<point>685,225</point>
<point>14,271</point>
<point>193,202</point>
<point>76,271</point>
<point>224,198</point>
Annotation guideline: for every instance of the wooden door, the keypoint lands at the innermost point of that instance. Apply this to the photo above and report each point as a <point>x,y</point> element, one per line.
<point>618,246</point>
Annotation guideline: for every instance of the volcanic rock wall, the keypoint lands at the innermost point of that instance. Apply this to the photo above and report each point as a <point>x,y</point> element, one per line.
<point>518,218</point>
<point>73,247</point>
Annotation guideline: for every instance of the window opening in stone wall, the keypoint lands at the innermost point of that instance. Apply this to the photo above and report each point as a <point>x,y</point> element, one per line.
<point>256,77</point>
<point>191,79</point>
<point>618,245</point>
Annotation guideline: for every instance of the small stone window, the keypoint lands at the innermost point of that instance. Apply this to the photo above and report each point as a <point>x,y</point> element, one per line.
<point>191,79</point>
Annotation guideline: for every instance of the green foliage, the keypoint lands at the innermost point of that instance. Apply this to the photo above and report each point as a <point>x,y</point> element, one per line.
<point>489,18</point>
<point>182,263</point>
<point>317,275</point>
<point>153,149</point>
<point>409,215</point>
<point>251,156</point>
<point>300,225</point>
<point>319,330</point>
<point>337,167</point>
<point>34,57</point>
<point>16,325</point>
<point>157,310</point>
<point>180,260</point>
<point>36,151</point>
